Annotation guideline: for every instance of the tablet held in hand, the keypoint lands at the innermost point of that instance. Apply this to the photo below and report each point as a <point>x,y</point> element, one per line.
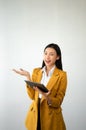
<point>35,84</point>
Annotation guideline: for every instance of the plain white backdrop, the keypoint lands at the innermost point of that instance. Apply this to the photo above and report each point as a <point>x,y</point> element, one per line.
<point>26,27</point>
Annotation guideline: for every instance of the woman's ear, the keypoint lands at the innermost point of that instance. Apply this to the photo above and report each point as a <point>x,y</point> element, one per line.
<point>58,57</point>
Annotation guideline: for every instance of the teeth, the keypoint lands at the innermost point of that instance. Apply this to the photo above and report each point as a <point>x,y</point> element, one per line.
<point>47,61</point>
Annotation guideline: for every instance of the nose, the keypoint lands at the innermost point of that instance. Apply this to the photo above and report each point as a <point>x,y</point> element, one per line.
<point>47,56</point>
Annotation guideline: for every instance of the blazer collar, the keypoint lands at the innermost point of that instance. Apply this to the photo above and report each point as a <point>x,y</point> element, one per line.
<point>53,79</point>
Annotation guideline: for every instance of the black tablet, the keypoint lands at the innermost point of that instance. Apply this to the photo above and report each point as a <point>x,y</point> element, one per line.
<point>39,85</point>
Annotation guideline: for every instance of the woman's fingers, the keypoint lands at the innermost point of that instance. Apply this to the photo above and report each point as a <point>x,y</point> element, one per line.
<point>43,93</point>
<point>21,71</point>
<point>15,70</point>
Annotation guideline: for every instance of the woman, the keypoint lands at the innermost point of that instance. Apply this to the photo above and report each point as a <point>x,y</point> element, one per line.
<point>45,112</point>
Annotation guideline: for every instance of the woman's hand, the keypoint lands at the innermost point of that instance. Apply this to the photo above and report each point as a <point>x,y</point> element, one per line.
<point>23,73</point>
<point>46,95</point>
<point>41,92</point>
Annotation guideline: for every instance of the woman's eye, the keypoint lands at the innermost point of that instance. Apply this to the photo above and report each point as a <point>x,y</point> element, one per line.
<point>45,53</point>
<point>51,54</point>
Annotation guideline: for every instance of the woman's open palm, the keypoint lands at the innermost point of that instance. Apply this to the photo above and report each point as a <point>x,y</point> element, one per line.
<point>22,72</point>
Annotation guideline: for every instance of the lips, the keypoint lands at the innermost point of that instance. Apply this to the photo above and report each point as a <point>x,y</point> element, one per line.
<point>47,61</point>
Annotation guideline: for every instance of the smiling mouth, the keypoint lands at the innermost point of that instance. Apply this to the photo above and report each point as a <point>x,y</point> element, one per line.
<point>47,62</point>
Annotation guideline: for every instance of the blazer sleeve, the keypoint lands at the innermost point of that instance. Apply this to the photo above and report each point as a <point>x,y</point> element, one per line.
<point>31,91</point>
<point>56,100</point>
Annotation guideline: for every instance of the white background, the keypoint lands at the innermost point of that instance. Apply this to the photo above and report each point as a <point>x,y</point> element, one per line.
<point>26,27</point>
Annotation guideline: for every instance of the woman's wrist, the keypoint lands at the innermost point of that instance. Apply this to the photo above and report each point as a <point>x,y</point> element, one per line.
<point>28,76</point>
<point>49,101</point>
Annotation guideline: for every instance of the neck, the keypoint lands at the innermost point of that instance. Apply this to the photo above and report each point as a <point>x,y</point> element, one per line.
<point>48,68</point>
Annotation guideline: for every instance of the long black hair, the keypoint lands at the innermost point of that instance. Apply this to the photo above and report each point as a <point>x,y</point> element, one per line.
<point>58,62</point>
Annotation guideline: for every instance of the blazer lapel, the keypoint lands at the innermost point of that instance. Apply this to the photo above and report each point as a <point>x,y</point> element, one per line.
<point>39,76</point>
<point>52,81</point>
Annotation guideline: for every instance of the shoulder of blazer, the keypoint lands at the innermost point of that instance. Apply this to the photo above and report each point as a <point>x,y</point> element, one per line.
<point>56,71</point>
<point>37,70</point>
<point>59,72</point>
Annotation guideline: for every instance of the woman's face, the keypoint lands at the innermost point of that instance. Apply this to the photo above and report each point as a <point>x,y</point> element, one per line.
<point>50,57</point>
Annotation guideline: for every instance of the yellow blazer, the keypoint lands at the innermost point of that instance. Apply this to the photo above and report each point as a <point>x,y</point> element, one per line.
<point>51,115</point>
